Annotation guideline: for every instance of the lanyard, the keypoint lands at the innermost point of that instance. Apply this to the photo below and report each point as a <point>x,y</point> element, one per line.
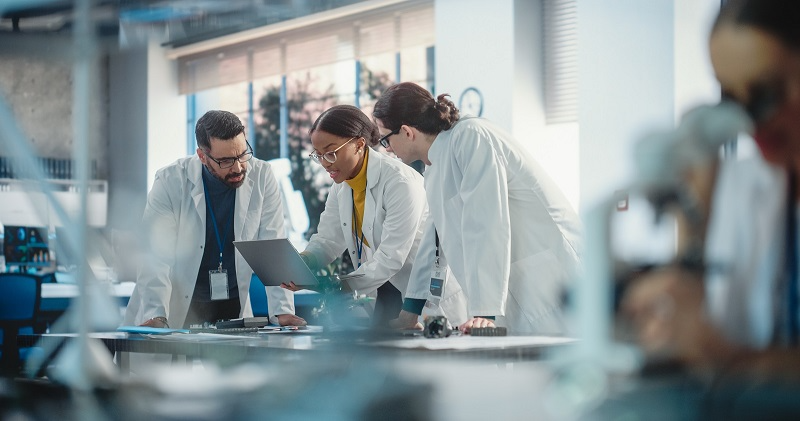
<point>359,244</point>
<point>791,259</point>
<point>436,234</point>
<point>220,242</point>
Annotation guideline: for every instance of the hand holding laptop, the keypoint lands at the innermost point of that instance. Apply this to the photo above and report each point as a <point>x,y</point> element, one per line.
<point>292,287</point>
<point>341,280</point>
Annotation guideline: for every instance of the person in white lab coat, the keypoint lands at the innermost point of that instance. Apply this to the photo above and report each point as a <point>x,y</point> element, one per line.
<point>745,319</point>
<point>505,229</point>
<point>197,207</point>
<point>375,209</point>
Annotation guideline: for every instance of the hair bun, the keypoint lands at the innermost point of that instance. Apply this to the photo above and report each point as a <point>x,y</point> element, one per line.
<point>446,111</point>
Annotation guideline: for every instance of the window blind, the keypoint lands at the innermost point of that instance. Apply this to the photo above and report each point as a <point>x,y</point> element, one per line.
<point>387,29</point>
<point>560,61</point>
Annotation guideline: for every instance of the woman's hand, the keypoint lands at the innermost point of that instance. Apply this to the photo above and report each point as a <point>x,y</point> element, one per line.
<point>475,322</point>
<point>292,287</point>
<point>290,320</point>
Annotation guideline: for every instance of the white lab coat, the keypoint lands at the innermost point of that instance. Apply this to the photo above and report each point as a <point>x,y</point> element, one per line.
<point>394,210</point>
<point>453,304</point>
<point>175,216</point>
<point>745,250</point>
<point>508,233</point>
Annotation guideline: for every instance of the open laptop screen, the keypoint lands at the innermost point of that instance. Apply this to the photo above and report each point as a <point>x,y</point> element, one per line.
<point>275,262</point>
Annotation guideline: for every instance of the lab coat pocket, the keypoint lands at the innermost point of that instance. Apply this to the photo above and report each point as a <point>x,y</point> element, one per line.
<point>536,284</point>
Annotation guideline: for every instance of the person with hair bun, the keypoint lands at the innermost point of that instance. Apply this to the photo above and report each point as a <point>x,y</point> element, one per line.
<point>375,209</point>
<point>507,232</point>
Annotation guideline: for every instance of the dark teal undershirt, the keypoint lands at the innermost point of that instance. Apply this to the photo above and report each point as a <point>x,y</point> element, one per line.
<point>415,305</point>
<point>223,200</point>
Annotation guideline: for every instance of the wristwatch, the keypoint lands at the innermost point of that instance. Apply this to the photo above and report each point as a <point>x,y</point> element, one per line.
<point>161,319</point>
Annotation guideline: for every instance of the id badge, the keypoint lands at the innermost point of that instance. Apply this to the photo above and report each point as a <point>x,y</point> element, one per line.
<point>439,276</point>
<point>219,284</point>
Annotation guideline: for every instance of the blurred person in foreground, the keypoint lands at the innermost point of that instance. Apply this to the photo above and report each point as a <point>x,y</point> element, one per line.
<point>504,228</point>
<point>197,207</point>
<point>739,316</point>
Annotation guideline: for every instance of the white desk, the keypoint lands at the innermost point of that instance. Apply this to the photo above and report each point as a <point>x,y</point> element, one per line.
<point>58,290</point>
<point>57,297</point>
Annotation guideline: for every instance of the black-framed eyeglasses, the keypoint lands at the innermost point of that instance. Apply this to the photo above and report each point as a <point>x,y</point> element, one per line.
<point>228,162</point>
<point>329,156</point>
<point>765,99</point>
<point>384,141</point>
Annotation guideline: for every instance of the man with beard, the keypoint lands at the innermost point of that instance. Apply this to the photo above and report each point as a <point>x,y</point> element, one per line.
<point>197,207</point>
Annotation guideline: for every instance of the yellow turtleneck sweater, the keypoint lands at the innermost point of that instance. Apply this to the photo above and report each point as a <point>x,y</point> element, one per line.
<point>359,186</point>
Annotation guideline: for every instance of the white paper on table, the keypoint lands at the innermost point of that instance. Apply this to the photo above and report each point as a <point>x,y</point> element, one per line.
<point>199,337</point>
<point>474,342</point>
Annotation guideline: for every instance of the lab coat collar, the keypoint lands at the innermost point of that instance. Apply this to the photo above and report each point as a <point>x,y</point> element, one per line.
<point>374,165</point>
<point>243,194</point>
<point>439,146</point>
<point>194,174</point>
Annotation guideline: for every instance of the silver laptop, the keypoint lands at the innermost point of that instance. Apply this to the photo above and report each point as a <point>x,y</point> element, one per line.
<point>275,262</point>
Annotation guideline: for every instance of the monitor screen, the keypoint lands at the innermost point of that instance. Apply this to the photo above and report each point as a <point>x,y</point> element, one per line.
<point>26,246</point>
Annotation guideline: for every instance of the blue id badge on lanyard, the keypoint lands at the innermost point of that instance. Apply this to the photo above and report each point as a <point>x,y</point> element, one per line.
<point>218,280</point>
<point>438,278</point>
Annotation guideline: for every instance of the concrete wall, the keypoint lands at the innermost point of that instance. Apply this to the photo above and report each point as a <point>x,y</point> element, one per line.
<point>39,90</point>
<point>128,140</point>
<point>138,118</point>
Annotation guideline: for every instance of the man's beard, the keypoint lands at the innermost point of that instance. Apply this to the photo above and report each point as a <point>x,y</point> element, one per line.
<point>228,177</point>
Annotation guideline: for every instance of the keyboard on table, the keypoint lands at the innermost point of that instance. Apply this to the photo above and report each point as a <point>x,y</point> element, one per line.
<point>224,331</point>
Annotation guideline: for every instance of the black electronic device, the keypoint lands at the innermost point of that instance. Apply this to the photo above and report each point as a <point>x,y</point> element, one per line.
<point>488,331</point>
<point>242,322</point>
<point>26,246</point>
<point>437,327</point>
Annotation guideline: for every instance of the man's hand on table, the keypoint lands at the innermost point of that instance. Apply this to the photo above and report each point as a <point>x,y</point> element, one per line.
<point>290,320</point>
<point>406,320</point>
<point>159,322</point>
